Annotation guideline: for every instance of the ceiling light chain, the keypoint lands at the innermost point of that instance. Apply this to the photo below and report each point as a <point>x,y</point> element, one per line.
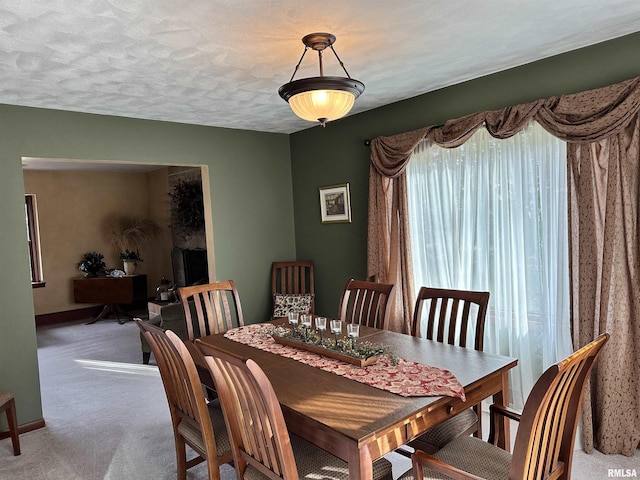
<point>339,61</point>
<point>295,70</point>
<point>321,98</point>
<point>320,63</point>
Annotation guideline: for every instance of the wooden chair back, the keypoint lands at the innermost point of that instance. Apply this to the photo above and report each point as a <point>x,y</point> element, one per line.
<point>449,316</point>
<point>293,278</point>
<point>366,303</point>
<point>217,307</point>
<point>544,443</point>
<point>254,418</point>
<point>456,317</point>
<point>187,405</point>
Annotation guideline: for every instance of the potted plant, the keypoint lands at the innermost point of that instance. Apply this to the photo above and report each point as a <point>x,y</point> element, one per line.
<point>127,235</point>
<point>92,264</point>
<point>130,259</point>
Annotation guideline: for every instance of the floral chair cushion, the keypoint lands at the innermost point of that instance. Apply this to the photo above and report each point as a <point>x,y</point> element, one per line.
<point>283,304</point>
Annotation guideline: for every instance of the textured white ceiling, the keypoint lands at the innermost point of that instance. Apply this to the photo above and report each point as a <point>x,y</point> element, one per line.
<point>221,62</point>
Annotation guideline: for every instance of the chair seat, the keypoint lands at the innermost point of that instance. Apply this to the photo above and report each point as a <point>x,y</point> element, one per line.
<point>8,405</point>
<point>193,436</point>
<point>5,397</point>
<point>473,456</point>
<point>313,463</point>
<point>442,434</point>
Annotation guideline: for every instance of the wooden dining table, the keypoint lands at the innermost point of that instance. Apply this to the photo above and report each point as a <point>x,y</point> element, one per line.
<point>360,423</point>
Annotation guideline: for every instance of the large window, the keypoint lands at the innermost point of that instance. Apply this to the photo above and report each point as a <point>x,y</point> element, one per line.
<point>492,215</point>
<point>33,239</point>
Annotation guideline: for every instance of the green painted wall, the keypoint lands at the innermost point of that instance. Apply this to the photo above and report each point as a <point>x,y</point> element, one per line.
<point>261,184</point>
<point>251,190</point>
<point>336,153</point>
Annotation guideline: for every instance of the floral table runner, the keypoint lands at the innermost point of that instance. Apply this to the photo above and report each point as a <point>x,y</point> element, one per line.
<point>406,378</point>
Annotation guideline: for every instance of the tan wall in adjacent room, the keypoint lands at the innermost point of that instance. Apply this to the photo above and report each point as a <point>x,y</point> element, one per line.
<point>72,207</point>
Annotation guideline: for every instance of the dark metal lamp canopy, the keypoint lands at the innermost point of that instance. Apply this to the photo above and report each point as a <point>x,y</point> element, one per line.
<point>321,98</point>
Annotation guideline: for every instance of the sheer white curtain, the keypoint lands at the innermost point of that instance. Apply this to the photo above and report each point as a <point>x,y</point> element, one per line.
<point>492,215</point>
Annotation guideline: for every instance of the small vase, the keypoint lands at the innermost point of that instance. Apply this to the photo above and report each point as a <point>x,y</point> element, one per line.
<point>130,267</point>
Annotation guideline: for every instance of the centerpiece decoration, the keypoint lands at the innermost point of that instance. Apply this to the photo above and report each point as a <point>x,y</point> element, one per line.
<point>302,336</point>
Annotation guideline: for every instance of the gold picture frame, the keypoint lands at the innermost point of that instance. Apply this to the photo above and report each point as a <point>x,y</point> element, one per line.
<point>335,204</point>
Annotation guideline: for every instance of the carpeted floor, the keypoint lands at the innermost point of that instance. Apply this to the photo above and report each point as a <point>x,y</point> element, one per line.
<point>107,415</point>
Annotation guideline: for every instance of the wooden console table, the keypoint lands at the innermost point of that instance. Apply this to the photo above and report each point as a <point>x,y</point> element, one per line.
<point>112,292</point>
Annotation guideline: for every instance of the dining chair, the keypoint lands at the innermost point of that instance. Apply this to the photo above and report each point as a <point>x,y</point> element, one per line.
<point>292,287</point>
<point>545,439</point>
<point>8,405</point>
<point>366,303</point>
<point>456,317</point>
<point>216,308</point>
<point>195,423</point>
<point>260,441</point>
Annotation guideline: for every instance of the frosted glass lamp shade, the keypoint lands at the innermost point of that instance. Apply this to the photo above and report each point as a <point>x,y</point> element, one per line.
<point>322,105</point>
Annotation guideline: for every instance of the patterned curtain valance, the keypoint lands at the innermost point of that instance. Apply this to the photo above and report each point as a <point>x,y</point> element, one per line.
<point>581,118</point>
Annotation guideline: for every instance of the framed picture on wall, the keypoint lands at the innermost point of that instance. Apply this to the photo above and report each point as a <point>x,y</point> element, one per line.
<point>335,205</point>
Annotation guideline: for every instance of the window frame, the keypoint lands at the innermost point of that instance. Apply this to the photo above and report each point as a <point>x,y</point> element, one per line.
<point>33,241</point>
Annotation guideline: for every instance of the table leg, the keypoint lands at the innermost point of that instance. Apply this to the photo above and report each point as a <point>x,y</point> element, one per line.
<point>109,309</point>
<point>105,311</point>
<point>360,465</point>
<point>504,428</point>
<point>117,311</point>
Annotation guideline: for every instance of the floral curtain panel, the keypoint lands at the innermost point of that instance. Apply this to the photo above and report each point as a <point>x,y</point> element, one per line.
<point>602,128</point>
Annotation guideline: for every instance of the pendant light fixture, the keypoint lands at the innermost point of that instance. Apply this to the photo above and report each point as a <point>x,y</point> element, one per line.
<point>321,98</point>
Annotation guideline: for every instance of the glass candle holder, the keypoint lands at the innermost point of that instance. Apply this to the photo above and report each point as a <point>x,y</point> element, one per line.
<point>293,321</point>
<point>305,321</point>
<point>321,325</point>
<point>353,332</point>
<point>336,329</point>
